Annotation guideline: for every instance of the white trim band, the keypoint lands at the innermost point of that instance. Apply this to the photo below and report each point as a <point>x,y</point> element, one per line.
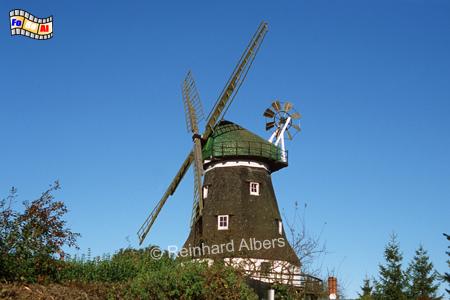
<point>238,163</point>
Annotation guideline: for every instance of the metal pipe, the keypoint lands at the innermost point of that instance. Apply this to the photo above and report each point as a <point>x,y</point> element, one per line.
<point>271,294</point>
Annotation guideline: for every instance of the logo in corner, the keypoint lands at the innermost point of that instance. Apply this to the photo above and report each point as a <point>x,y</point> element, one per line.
<point>23,23</point>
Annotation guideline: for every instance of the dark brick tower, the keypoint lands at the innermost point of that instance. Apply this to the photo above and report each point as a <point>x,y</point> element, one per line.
<point>241,222</point>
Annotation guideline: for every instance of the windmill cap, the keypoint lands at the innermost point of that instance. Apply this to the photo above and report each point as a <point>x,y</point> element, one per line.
<point>231,141</point>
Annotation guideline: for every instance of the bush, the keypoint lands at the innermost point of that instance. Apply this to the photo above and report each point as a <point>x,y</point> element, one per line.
<point>164,278</point>
<point>191,280</point>
<point>31,240</point>
<point>125,265</point>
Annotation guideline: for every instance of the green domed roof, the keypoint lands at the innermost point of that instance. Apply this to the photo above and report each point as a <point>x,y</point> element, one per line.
<point>230,140</point>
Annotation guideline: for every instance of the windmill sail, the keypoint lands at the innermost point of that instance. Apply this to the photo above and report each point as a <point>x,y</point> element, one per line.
<point>145,228</point>
<point>193,108</point>
<point>236,79</point>
<point>193,111</point>
<point>197,206</point>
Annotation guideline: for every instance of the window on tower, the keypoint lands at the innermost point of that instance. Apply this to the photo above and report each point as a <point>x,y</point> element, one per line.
<point>222,222</point>
<point>205,192</point>
<point>254,188</point>
<point>280,227</point>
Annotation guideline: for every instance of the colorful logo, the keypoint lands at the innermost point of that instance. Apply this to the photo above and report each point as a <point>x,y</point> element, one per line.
<point>24,23</point>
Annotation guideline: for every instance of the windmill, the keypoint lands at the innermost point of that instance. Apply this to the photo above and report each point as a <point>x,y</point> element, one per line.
<point>235,215</point>
<point>191,104</point>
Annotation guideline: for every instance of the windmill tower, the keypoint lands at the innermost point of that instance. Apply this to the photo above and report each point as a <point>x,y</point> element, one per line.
<point>241,223</point>
<point>235,215</point>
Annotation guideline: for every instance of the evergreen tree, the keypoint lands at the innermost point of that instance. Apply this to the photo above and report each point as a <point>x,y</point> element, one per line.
<point>446,276</point>
<point>366,290</point>
<point>421,277</point>
<point>391,284</point>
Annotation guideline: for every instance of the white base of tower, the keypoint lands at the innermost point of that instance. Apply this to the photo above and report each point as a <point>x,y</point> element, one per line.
<point>281,272</point>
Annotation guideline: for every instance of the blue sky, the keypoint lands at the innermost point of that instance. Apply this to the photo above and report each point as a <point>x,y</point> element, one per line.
<point>99,108</point>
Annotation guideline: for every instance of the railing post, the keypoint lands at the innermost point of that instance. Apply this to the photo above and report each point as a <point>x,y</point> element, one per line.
<point>271,294</point>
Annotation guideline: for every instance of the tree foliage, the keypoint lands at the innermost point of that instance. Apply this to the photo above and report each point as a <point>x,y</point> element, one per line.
<point>421,277</point>
<point>392,282</point>
<point>366,290</point>
<point>144,277</point>
<point>418,282</point>
<point>446,276</point>
<point>32,239</point>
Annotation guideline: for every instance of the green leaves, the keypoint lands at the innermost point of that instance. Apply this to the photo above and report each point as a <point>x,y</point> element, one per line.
<point>178,279</point>
<point>31,240</point>
<point>143,277</point>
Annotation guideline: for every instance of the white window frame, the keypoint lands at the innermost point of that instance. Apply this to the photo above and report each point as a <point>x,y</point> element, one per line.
<point>223,222</point>
<point>205,192</point>
<point>254,188</point>
<point>280,227</point>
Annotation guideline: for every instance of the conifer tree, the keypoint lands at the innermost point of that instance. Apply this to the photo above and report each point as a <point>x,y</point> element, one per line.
<point>446,276</point>
<point>422,277</point>
<point>366,290</point>
<point>391,283</point>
